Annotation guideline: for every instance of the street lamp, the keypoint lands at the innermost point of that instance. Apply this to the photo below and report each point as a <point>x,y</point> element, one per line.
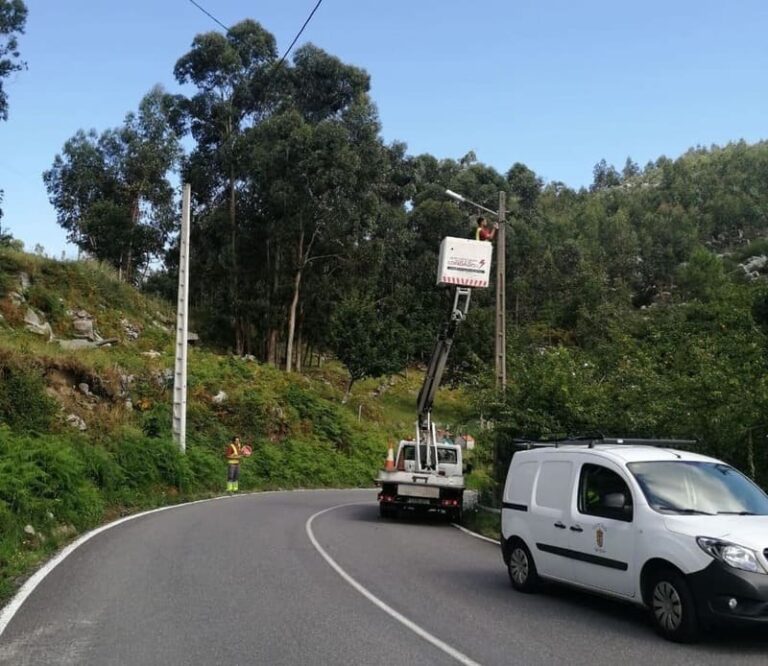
<point>501,299</point>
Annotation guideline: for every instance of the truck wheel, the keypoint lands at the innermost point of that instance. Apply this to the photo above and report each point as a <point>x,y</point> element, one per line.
<point>673,609</point>
<point>521,568</point>
<point>455,516</point>
<point>386,511</point>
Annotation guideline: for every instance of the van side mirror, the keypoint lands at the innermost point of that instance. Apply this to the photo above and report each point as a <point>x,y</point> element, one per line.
<point>615,501</point>
<point>617,506</point>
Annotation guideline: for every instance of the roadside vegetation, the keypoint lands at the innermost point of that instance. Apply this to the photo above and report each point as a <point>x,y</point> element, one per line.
<point>483,522</point>
<point>85,435</point>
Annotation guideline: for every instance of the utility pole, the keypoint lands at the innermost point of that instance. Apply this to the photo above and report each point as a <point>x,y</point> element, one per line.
<point>501,296</point>
<point>182,328</point>
<point>501,286</point>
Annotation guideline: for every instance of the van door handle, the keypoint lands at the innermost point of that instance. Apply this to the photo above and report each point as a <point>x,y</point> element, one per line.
<point>576,528</point>
<point>559,525</point>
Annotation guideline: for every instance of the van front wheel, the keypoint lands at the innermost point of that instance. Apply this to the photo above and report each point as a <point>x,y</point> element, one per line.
<point>521,568</point>
<point>672,607</point>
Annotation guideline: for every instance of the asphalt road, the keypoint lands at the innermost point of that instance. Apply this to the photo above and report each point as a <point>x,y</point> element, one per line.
<point>239,581</point>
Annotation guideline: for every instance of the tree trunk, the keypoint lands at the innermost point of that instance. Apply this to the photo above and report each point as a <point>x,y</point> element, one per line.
<point>129,258</point>
<point>298,348</point>
<point>273,268</point>
<point>294,303</point>
<point>348,391</point>
<point>272,347</point>
<point>750,456</point>
<point>237,322</point>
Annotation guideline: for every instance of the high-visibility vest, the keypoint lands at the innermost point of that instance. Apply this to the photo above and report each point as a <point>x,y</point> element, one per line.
<point>233,453</point>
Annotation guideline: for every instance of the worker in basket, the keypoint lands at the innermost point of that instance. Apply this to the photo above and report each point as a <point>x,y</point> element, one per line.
<point>483,231</point>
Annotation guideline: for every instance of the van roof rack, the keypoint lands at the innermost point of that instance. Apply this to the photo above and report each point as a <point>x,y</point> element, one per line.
<point>591,440</point>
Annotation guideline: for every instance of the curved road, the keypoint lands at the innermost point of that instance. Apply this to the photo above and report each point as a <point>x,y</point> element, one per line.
<point>240,581</point>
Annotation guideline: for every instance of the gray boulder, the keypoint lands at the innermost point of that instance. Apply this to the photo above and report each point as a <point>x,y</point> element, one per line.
<point>34,322</point>
<point>76,422</point>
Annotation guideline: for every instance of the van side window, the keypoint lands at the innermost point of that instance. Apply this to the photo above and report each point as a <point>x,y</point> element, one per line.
<point>604,493</point>
<point>554,485</point>
<point>520,483</point>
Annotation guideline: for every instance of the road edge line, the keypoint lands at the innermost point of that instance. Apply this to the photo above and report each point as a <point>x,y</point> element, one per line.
<point>475,534</point>
<point>8,612</point>
<point>409,624</point>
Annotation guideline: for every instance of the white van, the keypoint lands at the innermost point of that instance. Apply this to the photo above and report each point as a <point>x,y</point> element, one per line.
<point>681,533</point>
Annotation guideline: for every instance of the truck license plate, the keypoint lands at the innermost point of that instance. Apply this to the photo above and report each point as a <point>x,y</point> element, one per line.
<point>418,500</point>
<point>418,491</point>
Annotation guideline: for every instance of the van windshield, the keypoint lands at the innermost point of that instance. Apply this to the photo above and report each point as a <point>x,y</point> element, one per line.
<point>705,488</point>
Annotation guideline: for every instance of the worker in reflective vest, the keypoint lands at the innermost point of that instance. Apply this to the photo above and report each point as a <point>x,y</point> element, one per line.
<point>234,453</point>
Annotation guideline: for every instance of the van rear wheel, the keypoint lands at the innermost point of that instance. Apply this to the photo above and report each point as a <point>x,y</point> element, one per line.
<point>521,568</point>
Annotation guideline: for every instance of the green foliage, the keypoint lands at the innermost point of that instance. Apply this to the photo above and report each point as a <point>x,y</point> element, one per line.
<point>366,343</point>
<point>111,191</point>
<point>484,522</point>
<point>13,16</point>
<point>47,302</point>
<point>24,405</point>
<point>43,481</point>
<point>147,462</point>
<point>324,418</point>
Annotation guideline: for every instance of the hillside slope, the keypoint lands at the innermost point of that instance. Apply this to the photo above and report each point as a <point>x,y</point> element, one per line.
<point>86,374</point>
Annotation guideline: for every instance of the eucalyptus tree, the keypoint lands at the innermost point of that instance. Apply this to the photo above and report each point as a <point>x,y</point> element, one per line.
<point>235,84</point>
<point>316,165</point>
<point>111,190</point>
<point>13,16</point>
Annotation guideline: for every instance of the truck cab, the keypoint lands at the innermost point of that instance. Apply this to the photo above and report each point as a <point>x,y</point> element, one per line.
<point>425,480</point>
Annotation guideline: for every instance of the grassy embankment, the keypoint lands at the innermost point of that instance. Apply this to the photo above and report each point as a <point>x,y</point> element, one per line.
<point>85,435</point>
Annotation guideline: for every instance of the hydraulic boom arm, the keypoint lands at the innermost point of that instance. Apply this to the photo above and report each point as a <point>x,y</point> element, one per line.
<point>424,428</point>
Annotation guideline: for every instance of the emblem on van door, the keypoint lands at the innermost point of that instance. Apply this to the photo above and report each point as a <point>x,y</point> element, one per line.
<point>600,538</point>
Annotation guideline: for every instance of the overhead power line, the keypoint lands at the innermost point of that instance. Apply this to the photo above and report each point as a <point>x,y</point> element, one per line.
<point>209,15</point>
<point>298,34</point>
<point>293,43</point>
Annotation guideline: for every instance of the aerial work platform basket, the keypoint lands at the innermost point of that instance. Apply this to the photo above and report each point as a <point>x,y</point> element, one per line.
<point>464,262</point>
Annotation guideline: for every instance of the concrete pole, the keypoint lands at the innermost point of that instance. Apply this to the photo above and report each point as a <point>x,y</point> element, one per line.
<point>501,297</point>
<point>182,328</point>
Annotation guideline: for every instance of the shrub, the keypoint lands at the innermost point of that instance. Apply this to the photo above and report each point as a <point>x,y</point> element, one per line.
<point>44,481</point>
<point>206,468</point>
<point>24,405</point>
<point>47,302</point>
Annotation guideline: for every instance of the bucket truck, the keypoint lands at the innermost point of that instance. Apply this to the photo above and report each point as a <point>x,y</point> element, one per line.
<point>427,474</point>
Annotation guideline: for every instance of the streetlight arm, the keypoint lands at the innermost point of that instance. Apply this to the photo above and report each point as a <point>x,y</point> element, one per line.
<point>459,197</point>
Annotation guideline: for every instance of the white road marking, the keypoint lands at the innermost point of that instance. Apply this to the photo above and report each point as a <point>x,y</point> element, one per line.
<point>423,633</point>
<point>475,534</point>
<point>7,613</point>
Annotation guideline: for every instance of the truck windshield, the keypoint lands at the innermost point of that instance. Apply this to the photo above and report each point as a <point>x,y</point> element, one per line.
<point>444,455</point>
<point>705,488</point>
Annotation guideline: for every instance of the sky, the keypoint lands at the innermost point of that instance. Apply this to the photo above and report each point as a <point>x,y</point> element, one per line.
<point>555,84</point>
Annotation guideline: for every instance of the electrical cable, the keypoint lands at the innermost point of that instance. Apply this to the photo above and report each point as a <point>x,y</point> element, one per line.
<point>209,15</point>
<point>298,34</point>
<point>293,43</point>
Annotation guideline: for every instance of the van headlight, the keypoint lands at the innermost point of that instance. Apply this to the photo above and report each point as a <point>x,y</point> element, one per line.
<point>734,556</point>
